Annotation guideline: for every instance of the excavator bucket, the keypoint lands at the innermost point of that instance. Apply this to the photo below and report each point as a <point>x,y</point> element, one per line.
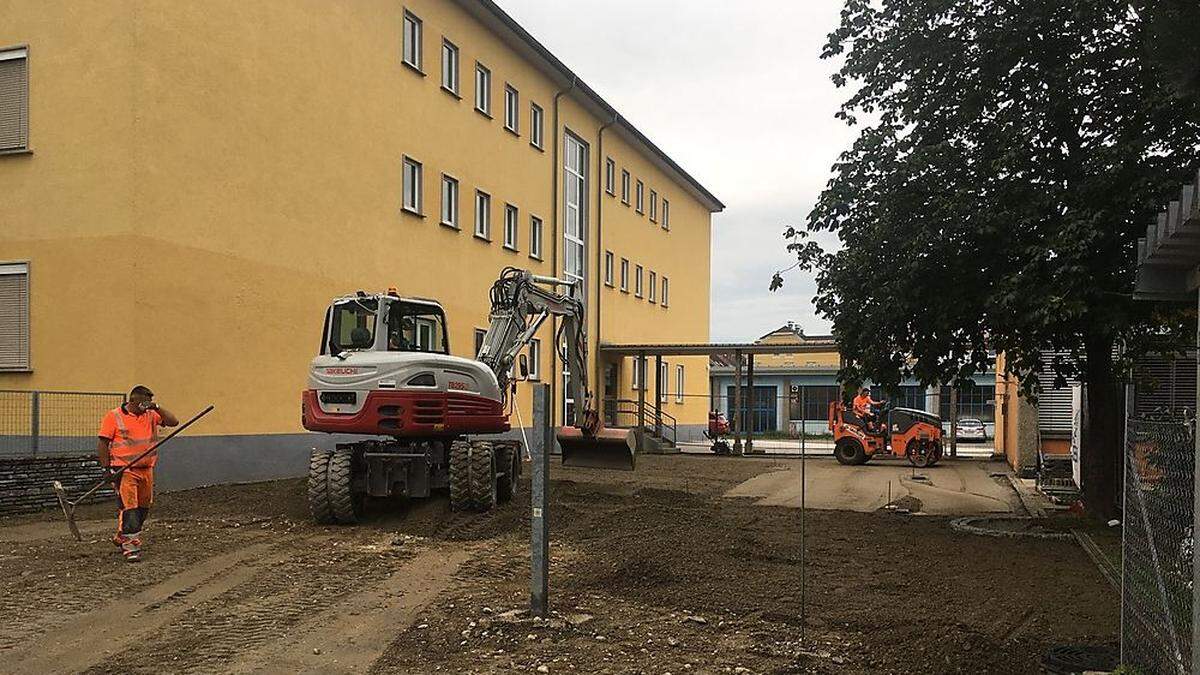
<point>607,449</point>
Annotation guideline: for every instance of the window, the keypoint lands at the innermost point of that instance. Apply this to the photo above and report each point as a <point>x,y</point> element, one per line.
<point>653,286</point>
<point>535,359</point>
<point>666,221</point>
<point>412,40</point>
<point>414,327</point>
<point>624,275</point>
<point>610,176</point>
<point>535,125</point>
<point>575,192</point>
<point>640,198</point>
<point>664,381</point>
<point>639,372</point>
<point>510,227</point>
<point>14,101</point>
<point>479,335</point>
<point>637,281</point>
<point>483,215</point>
<point>512,115</point>
<point>666,291</point>
<point>679,384</point>
<point>653,206</point>
<point>412,185</point>
<point>624,187</point>
<point>483,89</point>
<point>14,314</point>
<point>449,67</point>
<point>449,201</point>
<point>535,237</point>
<point>608,268</point>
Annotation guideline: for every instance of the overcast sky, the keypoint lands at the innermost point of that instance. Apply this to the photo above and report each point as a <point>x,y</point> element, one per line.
<point>737,94</point>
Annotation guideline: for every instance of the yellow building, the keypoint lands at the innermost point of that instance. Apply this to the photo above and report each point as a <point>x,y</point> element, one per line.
<point>186,186</point>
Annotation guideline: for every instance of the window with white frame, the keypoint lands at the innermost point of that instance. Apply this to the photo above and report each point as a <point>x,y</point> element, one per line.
<point>666,291</point>
<point>608,268</point>
<point>653,206</point>
<point>610,176</point>
<point>666,219</point>
<point>483,215</point>
<point>536,125</point>
<point>449,66</point>
<point>637,281</point>
<point>575,193</point>
<point>512,110</point>
<point>14,99</point>
<point>449,201</point>
<point>664,381</point>
<point>14,316</point>
<point>535,237</point>
<point>624,187</point>
<point>653,287</point>
<point>483,89</point>
<point>640,197</point>
<point>625,275</point>
<point>510,226</point>
<point>412,185</point>
<point>679,383</point>
<point>639,370</point>
<point>535,359</point>
<point>412,40</point>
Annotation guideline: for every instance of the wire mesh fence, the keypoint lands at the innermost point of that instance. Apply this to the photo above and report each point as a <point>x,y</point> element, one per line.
<point>1156,584</point>
<point>35,423</point>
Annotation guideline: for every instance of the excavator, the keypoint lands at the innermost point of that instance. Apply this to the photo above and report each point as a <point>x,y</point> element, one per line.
<point>385,371</point>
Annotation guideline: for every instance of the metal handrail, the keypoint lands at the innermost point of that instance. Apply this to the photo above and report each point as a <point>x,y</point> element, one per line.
<point>666,421</point>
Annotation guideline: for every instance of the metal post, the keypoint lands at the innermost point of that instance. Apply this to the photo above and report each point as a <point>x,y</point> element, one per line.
<point>35,422</point>
<point>750,403</point>
<point>539,544</point>
<point>803,484</point>
<point>1195,528</point>
<point>658,397</point>
<point>737,403</point>
<point>641,371</point>
<point>954,421</point>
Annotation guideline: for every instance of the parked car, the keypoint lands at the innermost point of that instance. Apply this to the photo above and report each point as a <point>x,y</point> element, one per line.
<point>971,429</point>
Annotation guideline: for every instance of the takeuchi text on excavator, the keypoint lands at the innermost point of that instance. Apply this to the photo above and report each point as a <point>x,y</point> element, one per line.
<point>384,370</point>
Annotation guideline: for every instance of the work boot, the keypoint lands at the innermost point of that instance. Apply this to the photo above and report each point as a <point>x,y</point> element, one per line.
<point>131,548</point>
<point>118,539</point>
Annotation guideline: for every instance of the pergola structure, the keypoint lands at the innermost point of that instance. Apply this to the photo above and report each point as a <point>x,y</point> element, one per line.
<point>738,350</point>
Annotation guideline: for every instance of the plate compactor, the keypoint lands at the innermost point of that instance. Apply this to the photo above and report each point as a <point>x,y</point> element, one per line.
<point>899,432</point>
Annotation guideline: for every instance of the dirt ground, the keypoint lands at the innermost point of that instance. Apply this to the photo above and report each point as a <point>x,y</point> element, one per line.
<point>652,572</point>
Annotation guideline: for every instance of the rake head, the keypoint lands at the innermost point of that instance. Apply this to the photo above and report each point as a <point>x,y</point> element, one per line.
<point>68,509</point>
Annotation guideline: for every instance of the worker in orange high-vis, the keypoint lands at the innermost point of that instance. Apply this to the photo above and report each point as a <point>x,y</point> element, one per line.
<point>125,433</point>
<point>864,408</point>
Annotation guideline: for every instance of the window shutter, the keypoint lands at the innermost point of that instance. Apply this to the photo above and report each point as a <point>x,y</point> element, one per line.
<point>14,100</point>
<point>14,317</point>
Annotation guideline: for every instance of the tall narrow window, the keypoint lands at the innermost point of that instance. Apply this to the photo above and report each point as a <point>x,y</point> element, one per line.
<point>510,227</point>
<point>640,197</point>
<point>624,275</point>
<point>14,312</point>
<point>14,100</point>
<point>483,215</point>
<point>624,187</point>
<point>483,89</point>
<point>512,114</point>
<point>666,292</point>
<point>608,268</point>
<point>638,368</point>
<point>449,67</point>
<point>653,206</point>
<point>575,193</point>
<point>535,237</point>
<point>412,185</point>
<point>664,381</point>
<point>653,286</point>
<point>536,125</point>
<point>666,221</point>
<point>535,359</point>
<point>637,281</point>
<point>449,201</point>
<point>678,381</point>
<point>610,176</point>
<point>412,40</point>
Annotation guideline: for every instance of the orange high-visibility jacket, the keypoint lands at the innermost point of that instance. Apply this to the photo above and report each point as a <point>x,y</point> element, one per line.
<point>862,405</point>
<point>130,435</point>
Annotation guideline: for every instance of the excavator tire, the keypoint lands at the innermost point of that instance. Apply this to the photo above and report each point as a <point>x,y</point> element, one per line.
<point>460,472</point>
<point>850,452</point>
<point>483,476</point>
<point>509,465</point>
<point>318,487</point>
<point>347,507</point>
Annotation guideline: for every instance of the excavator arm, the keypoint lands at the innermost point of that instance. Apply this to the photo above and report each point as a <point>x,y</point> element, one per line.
<point>520,303</point>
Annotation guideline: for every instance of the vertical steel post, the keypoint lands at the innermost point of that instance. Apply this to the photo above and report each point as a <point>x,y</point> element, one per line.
<point>539,544</point>
<point>35,421</point>
<point>737,403</point>
<point>954,421</point>
<point>751,403</point>
<point>1195,527</point>
<point>642,384</point>
<point>803,506</point>
<point>658,397</point>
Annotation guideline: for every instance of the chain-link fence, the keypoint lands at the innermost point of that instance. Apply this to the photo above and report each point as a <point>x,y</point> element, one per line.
<point>1156,586</point>
<point>36,423</point>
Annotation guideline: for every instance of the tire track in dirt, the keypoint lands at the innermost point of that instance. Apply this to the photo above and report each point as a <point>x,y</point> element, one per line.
<point>352,634</point>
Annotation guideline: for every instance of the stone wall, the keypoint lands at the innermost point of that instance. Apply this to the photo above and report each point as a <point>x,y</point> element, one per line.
<point>25,482</point>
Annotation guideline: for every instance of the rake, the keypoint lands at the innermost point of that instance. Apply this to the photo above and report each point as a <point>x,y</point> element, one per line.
<point>68,506</point>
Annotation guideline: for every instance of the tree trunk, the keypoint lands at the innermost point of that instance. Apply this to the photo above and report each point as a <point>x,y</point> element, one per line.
<point>1102,447</point>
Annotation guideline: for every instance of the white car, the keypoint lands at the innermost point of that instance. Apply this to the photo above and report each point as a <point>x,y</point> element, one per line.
<point>971,429</point>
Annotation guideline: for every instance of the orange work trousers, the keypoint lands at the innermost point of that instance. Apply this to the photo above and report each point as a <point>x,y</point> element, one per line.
<point>135,493</point>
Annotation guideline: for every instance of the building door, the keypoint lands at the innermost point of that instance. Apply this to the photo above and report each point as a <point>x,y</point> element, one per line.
<point>610,394</point>
<point>759,409</point>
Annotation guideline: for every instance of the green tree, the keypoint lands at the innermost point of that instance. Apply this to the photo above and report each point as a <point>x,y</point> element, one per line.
<point>1010,154</point>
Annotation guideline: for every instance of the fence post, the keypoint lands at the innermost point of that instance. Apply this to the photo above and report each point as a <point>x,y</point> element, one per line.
<point>539,543</point>
<point>35,422</point>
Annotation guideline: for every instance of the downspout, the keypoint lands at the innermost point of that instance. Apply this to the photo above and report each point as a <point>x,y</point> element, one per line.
<point>554,246</point>
<point>602,176</point>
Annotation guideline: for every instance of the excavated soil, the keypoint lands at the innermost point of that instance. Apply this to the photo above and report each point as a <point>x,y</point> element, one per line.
<point>652,571</point>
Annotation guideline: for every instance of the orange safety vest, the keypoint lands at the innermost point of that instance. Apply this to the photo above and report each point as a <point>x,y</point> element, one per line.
<point>135,434</point>
<point>862,405</point>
